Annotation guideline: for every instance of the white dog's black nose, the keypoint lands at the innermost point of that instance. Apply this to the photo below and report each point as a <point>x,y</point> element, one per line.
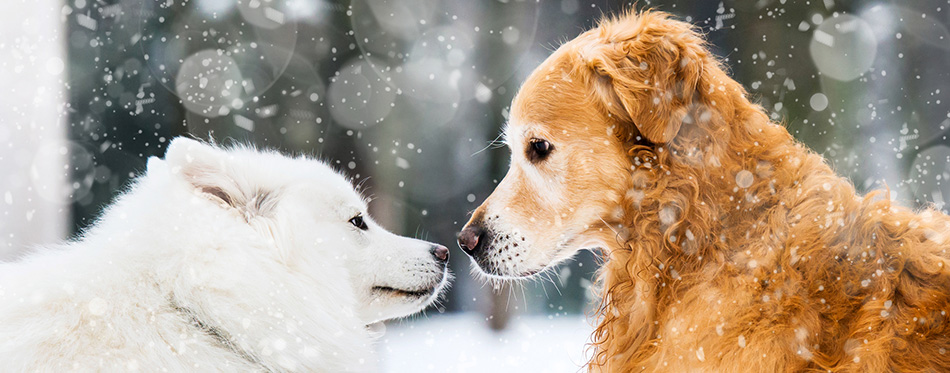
<point>441,253</point>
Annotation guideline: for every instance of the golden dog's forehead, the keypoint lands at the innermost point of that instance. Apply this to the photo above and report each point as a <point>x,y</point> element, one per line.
<point>554,101</point>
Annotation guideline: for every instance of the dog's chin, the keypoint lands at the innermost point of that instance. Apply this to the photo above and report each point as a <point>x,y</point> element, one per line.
<point>395,302</point>
<point>487,268</point>
<point>492,273</point>
<point>529,274</point>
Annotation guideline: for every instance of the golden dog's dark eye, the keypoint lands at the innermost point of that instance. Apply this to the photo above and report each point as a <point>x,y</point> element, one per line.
<point>358,222</point>
<point>539,149</point>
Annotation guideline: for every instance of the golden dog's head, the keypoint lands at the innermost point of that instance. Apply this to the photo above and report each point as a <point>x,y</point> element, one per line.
<point>631,82</point>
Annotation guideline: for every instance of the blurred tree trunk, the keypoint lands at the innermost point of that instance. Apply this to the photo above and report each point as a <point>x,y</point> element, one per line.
<point>500,310</point>
<point>35,188</point>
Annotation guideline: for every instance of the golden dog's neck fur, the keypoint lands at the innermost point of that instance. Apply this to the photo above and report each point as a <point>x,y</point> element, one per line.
<point>721,202</point>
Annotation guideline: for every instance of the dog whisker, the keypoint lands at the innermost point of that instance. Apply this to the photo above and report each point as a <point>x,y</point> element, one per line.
<point>491,144</point>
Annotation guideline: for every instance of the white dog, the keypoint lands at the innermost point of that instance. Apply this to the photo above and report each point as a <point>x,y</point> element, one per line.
<point>218,260</point>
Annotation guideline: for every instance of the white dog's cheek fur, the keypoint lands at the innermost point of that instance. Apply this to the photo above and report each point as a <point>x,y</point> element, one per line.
<point>371,258</point>
<point>395,262</point>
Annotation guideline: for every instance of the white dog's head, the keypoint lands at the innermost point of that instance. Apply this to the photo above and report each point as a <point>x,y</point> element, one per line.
<point>316,224</point>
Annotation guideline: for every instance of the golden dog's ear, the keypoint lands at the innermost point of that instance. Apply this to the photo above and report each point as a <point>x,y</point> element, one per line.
<point>648,71</point>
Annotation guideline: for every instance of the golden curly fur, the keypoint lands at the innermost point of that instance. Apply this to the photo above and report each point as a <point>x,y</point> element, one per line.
<point>728,245</point>
<point>805,274</point>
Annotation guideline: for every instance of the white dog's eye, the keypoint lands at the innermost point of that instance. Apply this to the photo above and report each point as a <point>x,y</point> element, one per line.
<point>538,149</point>
<point>358,222</point>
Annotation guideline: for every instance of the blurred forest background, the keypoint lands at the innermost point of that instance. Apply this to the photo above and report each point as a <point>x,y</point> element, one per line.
<point>409,94</point>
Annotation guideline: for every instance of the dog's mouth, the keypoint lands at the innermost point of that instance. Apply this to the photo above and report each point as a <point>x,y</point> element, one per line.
<point>407,293</point>
<point>426,292</point>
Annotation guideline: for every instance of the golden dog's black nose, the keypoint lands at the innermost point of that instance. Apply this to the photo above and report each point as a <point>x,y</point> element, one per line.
<point>470,239</point>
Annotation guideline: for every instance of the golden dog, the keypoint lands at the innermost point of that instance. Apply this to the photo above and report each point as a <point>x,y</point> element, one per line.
<point>728,245</point>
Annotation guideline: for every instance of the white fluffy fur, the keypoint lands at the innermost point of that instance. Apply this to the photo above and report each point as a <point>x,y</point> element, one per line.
<point>257,245</point>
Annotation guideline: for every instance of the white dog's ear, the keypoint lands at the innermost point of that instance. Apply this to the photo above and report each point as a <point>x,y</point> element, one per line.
<point>211,171</point>
<point>155,165</point>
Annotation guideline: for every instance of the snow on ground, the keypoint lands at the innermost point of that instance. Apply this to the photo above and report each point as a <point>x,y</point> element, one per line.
<point>464,343</point>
